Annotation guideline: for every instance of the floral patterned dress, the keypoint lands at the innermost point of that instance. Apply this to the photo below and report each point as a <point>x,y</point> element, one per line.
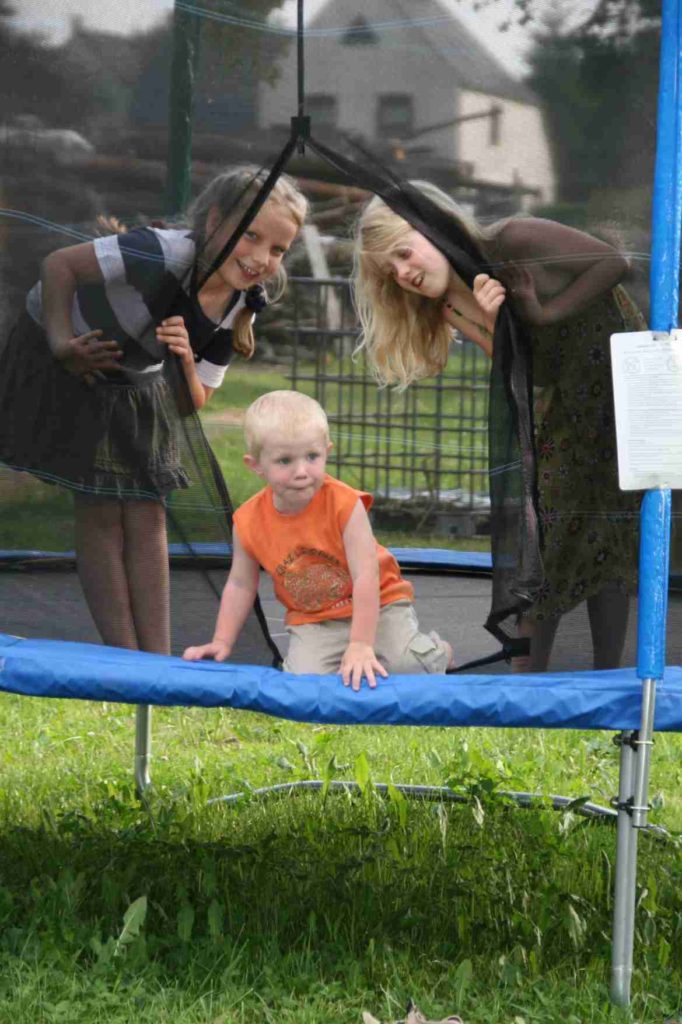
<point>590,527</point>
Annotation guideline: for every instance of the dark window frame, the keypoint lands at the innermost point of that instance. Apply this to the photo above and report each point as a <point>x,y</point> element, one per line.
<point>394,127</point>
<point>315,107</point>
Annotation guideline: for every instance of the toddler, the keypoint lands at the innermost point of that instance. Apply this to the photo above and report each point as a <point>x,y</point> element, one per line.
<point>349,610</point>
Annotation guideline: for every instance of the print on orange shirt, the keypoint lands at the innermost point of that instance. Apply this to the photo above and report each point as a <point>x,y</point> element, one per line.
<point>315,579</point>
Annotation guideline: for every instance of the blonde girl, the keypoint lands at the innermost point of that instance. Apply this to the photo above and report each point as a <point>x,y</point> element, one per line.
<point>562,286</point>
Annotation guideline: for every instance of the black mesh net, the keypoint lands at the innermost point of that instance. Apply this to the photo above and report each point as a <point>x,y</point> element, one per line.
<point>533,122</point>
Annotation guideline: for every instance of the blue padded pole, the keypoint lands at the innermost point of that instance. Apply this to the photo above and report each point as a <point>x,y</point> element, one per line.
<point>654,559</point>
<point>664,285</point>
<point>667,200</point>
<point>654,555</point>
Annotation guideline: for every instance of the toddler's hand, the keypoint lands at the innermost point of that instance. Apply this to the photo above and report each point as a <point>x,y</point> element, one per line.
<point>360,660</point>
<point>173,333</point>
<point>217,649</point>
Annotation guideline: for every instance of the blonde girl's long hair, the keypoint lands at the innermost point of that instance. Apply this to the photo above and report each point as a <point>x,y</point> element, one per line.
<point>231,193</point>
<point>404,335</point>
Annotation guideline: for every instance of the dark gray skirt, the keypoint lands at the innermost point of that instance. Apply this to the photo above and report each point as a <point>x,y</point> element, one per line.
<point>114,439</point>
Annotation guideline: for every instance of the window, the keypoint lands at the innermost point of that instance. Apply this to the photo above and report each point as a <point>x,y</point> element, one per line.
<point>494,136</point>
<point>359,33</point>
<point>323,110</point>
<point>395,116</point>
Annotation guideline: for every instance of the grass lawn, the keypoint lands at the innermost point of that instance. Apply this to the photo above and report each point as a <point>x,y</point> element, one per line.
<point>39,516</point>
<point>308,910</point>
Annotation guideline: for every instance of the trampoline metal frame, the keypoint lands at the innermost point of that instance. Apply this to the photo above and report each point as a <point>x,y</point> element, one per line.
<point>143,748</point>
<point>444,794</point>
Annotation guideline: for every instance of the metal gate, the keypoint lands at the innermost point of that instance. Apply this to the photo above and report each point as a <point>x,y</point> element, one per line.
<point>423,452</point>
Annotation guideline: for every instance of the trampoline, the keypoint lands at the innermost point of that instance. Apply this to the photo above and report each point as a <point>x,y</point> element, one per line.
<point>452,591</point>
<point>45,654</point>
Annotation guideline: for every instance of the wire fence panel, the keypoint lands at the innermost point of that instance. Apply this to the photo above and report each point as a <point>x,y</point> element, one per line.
<point>422,452</point>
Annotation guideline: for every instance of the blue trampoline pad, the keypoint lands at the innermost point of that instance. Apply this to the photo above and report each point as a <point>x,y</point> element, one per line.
<point>585,700</point>
<point>440,558</point>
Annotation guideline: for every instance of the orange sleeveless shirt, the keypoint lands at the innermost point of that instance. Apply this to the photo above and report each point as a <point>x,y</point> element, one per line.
<point>305,556</point>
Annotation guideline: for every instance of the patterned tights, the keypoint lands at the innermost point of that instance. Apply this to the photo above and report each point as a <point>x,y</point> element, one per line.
<point>608,617</point>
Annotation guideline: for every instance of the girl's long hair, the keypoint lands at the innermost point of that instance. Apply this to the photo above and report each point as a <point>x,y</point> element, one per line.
<point>403,334</point>
<point>231,193</point>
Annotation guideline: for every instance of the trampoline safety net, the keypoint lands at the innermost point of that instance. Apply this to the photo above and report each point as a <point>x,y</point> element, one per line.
<point>146,146</point>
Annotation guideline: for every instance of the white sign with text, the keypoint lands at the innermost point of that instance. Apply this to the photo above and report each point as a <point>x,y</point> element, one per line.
<point>647,388</point>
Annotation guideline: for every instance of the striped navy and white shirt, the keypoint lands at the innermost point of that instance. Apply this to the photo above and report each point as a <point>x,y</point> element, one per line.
<point>147,277</point>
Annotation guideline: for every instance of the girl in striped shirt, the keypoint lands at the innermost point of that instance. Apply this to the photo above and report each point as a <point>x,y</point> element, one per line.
<point>85,399</point>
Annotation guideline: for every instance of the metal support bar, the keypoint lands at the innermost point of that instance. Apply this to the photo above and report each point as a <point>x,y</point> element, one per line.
<point>640,807</point>
<point>527,801</point>
<point>300,124</point>
<point>494,112</point>
<point>143,747</point>
<point>186,28</point>
<point>636,748</point>
<point>625,878</point>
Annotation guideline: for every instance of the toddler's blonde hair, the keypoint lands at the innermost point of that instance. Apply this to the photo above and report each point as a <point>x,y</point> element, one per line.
<point>281,415</point>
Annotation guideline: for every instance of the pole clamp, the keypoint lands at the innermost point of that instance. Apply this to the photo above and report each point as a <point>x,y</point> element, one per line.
<point>628,739</point>
<point>300,130</point>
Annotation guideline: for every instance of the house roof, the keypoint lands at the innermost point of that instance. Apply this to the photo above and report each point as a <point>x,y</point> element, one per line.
<point>104,53</point>
<point>439,28</point>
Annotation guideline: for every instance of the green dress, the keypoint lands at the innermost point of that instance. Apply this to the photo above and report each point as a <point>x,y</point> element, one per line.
<point>590,528</point>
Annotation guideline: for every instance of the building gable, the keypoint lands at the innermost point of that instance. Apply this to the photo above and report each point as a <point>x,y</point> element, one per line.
<point>443,36</point>
<point>360,33</point>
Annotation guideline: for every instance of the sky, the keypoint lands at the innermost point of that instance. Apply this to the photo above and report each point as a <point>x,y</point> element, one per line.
<point>52,18</point>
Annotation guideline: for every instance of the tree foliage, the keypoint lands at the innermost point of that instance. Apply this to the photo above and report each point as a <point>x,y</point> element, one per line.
<point>237,50</point>
<point>39,80</point>
<point>614,19</point>
<point>598,80</point>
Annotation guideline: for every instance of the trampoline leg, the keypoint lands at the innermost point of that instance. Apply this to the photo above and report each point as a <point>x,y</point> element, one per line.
<point>143,747</point>
<point>625,878</point>
<point>632,815</point>
<point>645,742</point>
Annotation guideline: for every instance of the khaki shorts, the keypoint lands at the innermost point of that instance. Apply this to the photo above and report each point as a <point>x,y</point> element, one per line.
<point>318,647</point>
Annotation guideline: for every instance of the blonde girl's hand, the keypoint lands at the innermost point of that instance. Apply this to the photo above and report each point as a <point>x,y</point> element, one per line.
<point>88,357</point>
<point>173,333</point>
<point>489,294</point>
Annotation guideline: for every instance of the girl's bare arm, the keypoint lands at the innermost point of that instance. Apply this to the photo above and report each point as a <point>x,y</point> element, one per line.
<point>173,333</point>
<point>236,602</point>
<point>474,314</point>
<point>576,268</point>
<point>361,552</point>
<point>61,274</point>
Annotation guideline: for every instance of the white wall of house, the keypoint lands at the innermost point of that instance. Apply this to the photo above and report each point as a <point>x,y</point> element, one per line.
<point>518,153</point>
<point>403,61</point>
<point>358,75</point>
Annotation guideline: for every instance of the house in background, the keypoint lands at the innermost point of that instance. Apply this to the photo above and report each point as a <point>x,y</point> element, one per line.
<point>408,79</point>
